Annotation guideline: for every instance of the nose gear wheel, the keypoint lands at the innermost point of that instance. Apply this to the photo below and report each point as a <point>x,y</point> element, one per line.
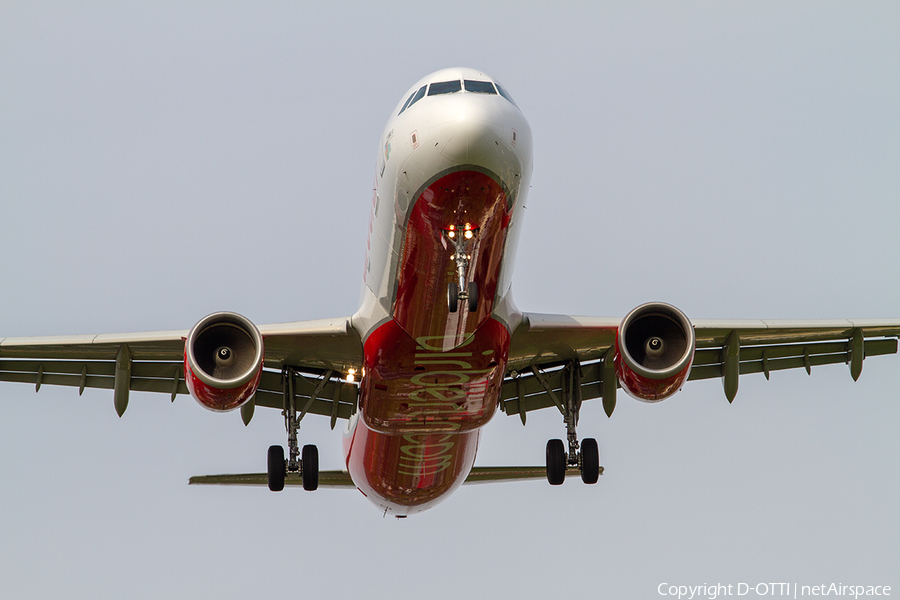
<point>470,296</point>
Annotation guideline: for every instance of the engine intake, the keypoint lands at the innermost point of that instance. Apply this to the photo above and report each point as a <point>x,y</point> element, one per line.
<point>223,359</point>
<point>655,350</point>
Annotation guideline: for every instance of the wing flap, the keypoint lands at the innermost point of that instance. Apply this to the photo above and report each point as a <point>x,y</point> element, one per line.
<point>325,408</point>
<point>160,377</point>
<point>542,338</point>
<point>317,393</point>
<point>762,359</point>
<point>715,332</point>
<point>323,344</point>
<point>529,387</point>
<point>149,369</point>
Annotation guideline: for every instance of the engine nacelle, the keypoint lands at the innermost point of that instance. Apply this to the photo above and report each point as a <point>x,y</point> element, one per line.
<point>655,350</point>
<point>223,360</point>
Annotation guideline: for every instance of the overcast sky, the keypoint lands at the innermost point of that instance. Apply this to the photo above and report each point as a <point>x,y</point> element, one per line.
<point>161,161</point>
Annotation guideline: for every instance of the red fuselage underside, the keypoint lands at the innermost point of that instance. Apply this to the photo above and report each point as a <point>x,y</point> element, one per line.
<point>432,378</point>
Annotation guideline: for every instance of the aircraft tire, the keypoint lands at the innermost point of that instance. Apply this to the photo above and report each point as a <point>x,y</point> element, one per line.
<point>453,297</point>
<point>310,458</point>
<point>276,468</point>
<point>473,296</point>
<point>556,462</point>
<point>590,461</point>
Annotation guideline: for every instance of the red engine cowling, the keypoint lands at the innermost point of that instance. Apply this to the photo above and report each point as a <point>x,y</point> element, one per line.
<point>655,350</point>
<point>223,360</point>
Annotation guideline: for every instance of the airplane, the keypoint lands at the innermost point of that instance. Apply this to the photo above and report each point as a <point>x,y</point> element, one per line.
<point>438,345</point>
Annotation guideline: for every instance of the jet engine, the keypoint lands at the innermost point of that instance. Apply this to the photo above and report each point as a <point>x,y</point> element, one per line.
<point>655,350</point>
<point>223,359</point>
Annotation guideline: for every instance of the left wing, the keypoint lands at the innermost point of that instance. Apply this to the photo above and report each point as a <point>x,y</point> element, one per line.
<point>319,352</point>
<point>552,353</point>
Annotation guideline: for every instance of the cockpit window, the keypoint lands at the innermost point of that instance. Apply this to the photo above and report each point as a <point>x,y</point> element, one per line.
<point>419,95</point>
<point>471,86</point>
<point>413,98</point>
<point>444,87</point>
<point>405,104</point>
<point>479,87</point>
<point>506,95</point>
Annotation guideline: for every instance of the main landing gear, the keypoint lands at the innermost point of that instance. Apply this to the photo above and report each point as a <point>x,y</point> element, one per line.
<point>459,237</point>
<point>305,464</point>
<point>586,456</point>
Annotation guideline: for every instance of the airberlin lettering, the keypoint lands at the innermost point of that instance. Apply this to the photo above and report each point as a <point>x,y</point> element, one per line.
<point>426,457</point>
<point>442,390</point>
<point>441,395</point>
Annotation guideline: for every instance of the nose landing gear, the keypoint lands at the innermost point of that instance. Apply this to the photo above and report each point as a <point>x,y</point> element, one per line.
<point>459,238</point>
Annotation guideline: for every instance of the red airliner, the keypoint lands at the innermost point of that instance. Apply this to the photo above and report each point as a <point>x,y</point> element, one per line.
<point>438,345</point>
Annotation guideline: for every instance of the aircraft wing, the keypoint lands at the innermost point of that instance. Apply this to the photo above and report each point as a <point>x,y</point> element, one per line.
<point>320,351</point>
<point>545,349</point>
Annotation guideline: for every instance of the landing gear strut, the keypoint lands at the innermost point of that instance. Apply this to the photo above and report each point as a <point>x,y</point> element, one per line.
<point>306,464</point>
<point>586,456</point>
<point>459,237</point>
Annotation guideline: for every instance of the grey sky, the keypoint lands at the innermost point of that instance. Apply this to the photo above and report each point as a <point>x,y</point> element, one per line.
<point>739,160</point>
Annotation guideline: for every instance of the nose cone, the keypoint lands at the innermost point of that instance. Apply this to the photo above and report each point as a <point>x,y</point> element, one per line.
<point>467,125</point>
<point>480,130</point>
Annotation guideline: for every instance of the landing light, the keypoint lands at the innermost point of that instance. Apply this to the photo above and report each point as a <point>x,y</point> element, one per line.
<point>351,375</point>
<point>468,231</point>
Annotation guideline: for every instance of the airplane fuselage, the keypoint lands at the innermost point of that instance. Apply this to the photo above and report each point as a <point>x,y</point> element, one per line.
<point>452,174</point>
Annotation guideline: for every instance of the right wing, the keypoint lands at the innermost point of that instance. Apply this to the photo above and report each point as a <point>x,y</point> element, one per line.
<point>545,351</point>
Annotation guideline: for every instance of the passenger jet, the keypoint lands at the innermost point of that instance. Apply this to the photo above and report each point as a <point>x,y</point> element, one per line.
<point>438,345</point>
